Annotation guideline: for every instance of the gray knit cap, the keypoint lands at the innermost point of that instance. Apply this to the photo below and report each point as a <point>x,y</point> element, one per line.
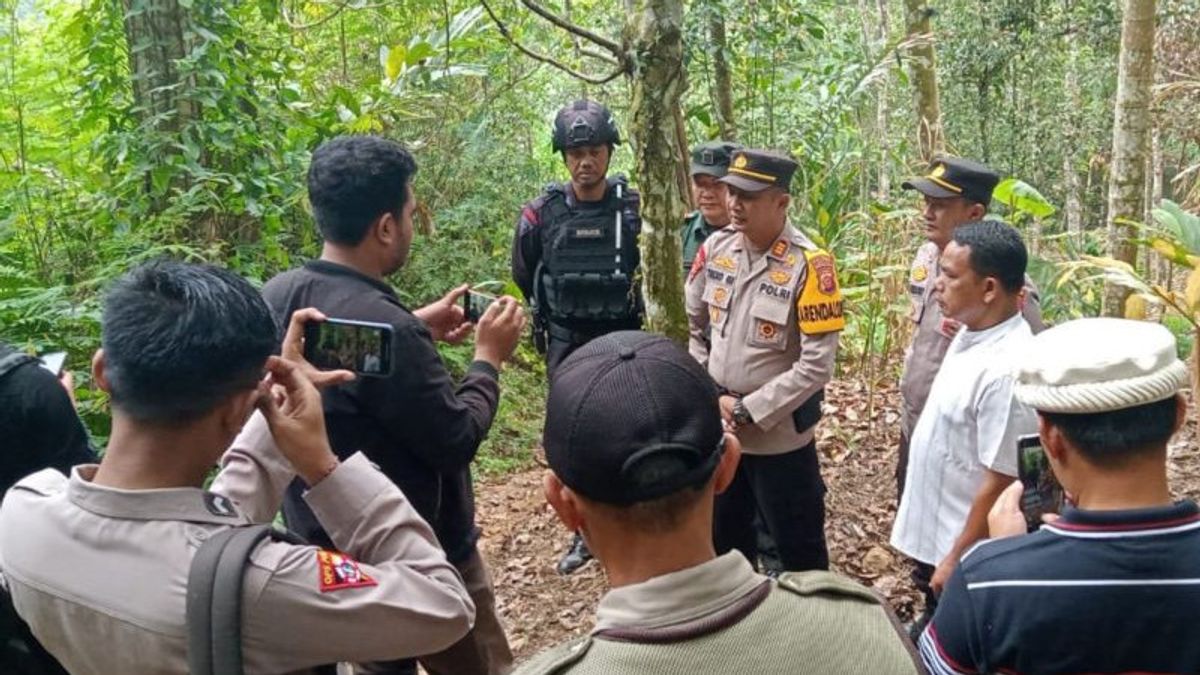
<point>1099,365</point>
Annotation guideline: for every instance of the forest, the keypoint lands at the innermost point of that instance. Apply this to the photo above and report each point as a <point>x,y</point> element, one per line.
<point>139,129</point>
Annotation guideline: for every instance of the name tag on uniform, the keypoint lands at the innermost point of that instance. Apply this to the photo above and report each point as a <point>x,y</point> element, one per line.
<point>774,291</point>
<point>588,233</point>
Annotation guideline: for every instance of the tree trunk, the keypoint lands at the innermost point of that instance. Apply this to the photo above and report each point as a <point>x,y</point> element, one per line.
<point>722,82</point>
<point>155,34</point>
<point>655,33</point>
<point>923,64</point>
<point>1131,140</point>
<point>1074,104</point>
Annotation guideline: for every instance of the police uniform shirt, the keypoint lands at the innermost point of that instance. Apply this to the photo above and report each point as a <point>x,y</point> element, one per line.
<point>100,574</point>
<point>971,423</point>
<point>932,332</point>
<point>770,341</point>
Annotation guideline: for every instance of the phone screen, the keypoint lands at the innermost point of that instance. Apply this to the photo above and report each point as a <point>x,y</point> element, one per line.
<point>1042,492</point>
<point>54,362</point>
<point>475,304</point>
<point>340,344</point>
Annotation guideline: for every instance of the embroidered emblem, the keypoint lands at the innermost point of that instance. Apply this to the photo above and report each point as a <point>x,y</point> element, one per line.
<point>791,260</point>
<point>338,571</point>
<point>938,171</point>
<point>697,264</point>
<point>822,264</point>
<point>780,277</point>
<point>779,248</point>
<point>920,273</point>
<point>740,162</point>
<point>714,314</point>
<point>719,295</point>
<point>219,505</point>
<point>767,330</point>
<point>726,263</point>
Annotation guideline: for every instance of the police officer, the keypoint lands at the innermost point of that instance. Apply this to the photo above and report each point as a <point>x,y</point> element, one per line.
<point>710,161</point>
<point>956,191</point>
<point>769,298</point>
<point>575,252</point>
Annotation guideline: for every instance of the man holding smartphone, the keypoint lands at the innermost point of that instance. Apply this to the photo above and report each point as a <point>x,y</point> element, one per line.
<point>1113,585</point>
<point>964,447</point>
<point>419,427</point>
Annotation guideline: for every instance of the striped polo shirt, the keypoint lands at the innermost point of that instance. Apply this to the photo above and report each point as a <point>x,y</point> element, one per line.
<point>1097,591</point>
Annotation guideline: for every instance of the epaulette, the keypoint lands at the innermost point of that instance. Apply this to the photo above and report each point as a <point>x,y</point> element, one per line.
<point>557,659</point>
<point>820,582</point>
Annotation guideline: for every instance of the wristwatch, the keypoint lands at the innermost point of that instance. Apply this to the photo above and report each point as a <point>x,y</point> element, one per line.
<point>741,416</point>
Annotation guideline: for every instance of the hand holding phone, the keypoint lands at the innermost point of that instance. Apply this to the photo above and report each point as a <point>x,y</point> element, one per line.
<point>475,304</point>
<point>1042,492</point>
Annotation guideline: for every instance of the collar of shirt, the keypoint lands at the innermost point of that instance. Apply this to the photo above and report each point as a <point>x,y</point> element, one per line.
<point>1183,513</point>
<point>334,269</point>
<point>699,227</point>
<point>789,233</point>
<point>679,596</point>
<point>968,339</point>
<point>188,504</point>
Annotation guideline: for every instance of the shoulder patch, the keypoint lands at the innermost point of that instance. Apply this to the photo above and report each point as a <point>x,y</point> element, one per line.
<point>820,308</point>
<point>338,571</point>
<point>819,582</point>
<point>698,263</point>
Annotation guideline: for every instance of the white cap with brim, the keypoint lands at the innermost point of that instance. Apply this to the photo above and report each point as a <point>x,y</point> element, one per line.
<point>1099,365</point>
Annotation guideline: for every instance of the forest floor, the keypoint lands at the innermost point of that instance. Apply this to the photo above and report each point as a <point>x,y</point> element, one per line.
<point>522,539</point>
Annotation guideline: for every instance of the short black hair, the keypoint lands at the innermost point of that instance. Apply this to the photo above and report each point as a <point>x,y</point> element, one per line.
<point>180,338</point>
<point>353,180</point>
<point>996,251</point>
<point>1108,439</point>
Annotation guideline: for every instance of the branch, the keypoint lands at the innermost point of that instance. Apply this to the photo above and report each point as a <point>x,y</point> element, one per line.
<point>599,56</point>
<point>584,33</point>
<point>344,4</point>
<point>591,79</point>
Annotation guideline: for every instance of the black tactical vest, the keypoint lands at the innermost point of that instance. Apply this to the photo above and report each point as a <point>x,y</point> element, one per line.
<point>588,264</point>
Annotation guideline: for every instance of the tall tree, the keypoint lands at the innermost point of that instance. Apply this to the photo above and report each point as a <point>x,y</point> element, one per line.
<point>923,64</point>
<point>1131,141</point>
<point>722,81</point>
<point>157,32</point>
<point>651,54</point>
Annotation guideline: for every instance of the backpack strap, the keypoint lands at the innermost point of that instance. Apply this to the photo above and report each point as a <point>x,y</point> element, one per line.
<point>214,598</point>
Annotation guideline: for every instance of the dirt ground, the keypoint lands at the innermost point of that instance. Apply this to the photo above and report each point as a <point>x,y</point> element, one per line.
<point>522,540</point>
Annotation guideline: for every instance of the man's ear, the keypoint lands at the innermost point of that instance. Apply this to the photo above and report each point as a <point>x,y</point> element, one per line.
<point>99,366</point>
<point>563,501</point>
<point>977,211</point>
<point>991,289</point>
<point>1052,441</point>
<point>727,468</point>
<point>237,410</point>
<point>385,228</point>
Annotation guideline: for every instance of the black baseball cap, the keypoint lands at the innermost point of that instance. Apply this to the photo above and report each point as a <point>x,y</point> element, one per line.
<point>632,417</point>
<point>956,177</point>
<point>757,170</point>
<point>713,157</point>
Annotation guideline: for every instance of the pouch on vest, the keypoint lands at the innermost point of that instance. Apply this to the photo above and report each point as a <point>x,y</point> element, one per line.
<point>214,598</point>
<point>809,412</point>
<point>589,260</point>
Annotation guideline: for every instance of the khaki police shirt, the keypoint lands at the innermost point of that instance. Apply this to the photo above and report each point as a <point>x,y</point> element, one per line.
<point>757,348</point>
<point>100,574</point>
<point>932,333</point>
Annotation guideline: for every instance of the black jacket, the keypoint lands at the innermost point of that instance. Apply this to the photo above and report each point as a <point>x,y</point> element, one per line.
<point>421,430</point>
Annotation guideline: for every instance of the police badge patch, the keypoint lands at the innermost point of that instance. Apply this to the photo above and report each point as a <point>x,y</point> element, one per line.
<point>339,571</point>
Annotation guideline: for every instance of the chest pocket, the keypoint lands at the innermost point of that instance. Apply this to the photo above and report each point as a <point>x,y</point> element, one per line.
<point>769,322</point>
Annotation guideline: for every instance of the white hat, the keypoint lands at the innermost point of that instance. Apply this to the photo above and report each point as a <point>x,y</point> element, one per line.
<point>1098,365</point>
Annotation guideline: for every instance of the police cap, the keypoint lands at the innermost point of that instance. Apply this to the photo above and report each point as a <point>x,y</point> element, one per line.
<point>632,417</point>
<point>712,158</point>
<point>956,177</point>
<point>757,170</point>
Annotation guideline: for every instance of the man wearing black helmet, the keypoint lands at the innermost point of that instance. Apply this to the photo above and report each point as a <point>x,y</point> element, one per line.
<point>575,252</point>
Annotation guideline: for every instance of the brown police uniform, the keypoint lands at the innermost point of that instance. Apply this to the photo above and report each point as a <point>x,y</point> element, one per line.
<point>773,320</point>
<point>100,574</point>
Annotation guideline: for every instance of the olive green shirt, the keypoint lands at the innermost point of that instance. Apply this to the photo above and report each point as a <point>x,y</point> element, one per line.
<point>695,231</point>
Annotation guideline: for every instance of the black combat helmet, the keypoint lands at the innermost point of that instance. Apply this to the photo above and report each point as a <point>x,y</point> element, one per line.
<point>584,123</point>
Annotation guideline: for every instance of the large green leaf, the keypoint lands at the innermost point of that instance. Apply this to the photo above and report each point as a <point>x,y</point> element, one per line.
<point>1185,226</point>
<point>1023,198</point>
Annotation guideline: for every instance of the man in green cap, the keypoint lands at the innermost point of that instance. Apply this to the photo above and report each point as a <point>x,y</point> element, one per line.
<point>710,161</point>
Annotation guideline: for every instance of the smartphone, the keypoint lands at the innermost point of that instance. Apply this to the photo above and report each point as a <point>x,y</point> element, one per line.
<point>475,304</point>
<point>1042,492</point>
<point>54,362</point>
<point>341,344</point>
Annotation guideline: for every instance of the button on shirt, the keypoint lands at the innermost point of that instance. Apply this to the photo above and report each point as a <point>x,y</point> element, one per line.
<point>971,423</point>
<point>1097,591</point>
